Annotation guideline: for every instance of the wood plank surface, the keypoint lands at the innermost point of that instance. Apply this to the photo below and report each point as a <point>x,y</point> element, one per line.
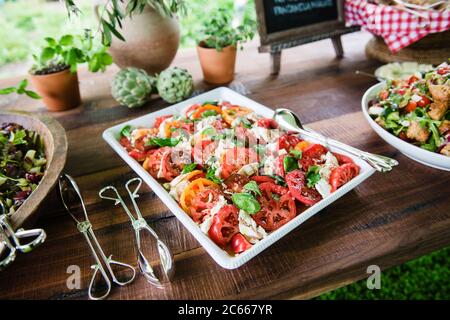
<point>387,220</point>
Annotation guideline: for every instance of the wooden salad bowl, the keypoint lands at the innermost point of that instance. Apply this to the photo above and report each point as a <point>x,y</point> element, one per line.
<point>55,141</point>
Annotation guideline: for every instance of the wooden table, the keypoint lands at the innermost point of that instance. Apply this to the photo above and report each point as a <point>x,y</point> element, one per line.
<point>388,220</point>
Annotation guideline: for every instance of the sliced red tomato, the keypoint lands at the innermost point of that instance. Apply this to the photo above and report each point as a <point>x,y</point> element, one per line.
<point>384,94</point>
<point>412,79</point>
<point>202,203</point>
<point>191,109</point>
<point>159,120</point>
<point>401,91</point>
<point>236,182</point>
<point>139,144</point>
<point>245,135</point>
<point>170,170</point>
<point>203,150</point>
<point>312,155</point>
<point>225,225</point>
<point>275,213</point>
<point>423,102</point>
<point>288,142</point>
<point>280,165</point>
<point>342,158</point>
<point>343,174</point>
<point>261,179</point>
<point>268,189</point>
<point>296,181</point>
<point>411,106</point>
<point>267,123</point>
<point>239,243</point>
<point>236,158</point>
<point>152,162</point>
<point>443,70</point>
<point>126,143</point>
<point>137,155</point>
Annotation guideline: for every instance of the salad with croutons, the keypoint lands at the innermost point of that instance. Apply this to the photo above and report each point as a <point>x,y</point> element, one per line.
<point>417,109</point>
<point>236,174</point>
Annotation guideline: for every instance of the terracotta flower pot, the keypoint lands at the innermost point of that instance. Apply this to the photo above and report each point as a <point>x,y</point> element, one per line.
<point>151,41</point>
<point>217,66</point>
<point>59,90</point>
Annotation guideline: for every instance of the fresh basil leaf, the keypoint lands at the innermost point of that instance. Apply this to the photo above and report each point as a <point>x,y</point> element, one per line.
<point>246,123</point>
<point>211,175</point>
<point>312,176</point>
<point>126,131</point>
<point>296,153</point>
<point>252,186</point>
<point>290,164</point>
<point>189,167</point>
<point>279,180</point>
<point>209,113</point>
<point>246,202</point>
<point>209,131</point>
<point>162,142</point>
<point>214,103</point>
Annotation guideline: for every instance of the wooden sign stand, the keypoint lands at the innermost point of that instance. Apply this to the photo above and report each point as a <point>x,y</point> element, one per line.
<point>275,42</point>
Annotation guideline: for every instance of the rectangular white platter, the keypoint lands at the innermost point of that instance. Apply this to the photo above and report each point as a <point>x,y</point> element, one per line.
<point>112,134</point>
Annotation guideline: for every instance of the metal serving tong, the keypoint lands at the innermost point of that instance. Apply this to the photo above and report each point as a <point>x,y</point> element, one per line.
<point>11,240</point>
<point>66,185</point>
<point>288,120</point>
<point>139,224</point>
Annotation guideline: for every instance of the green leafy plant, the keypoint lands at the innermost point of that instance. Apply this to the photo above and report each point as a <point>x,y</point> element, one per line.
<point>114,12</point>
<point>218,31</point>
<point>70,51</point>
<point>21,88</point>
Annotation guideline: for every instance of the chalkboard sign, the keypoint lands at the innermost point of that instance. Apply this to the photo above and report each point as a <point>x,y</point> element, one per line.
<point>287,23</point>
<point>283,15</point>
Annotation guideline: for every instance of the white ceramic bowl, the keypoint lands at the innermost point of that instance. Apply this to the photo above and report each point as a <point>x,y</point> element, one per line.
<point>111,136</point>
<point>416,153</point>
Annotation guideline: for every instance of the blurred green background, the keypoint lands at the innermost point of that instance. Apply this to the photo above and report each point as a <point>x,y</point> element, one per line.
<point>24,24</point>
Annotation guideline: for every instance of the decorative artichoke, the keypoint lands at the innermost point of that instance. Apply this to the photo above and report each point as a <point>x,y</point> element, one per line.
<point>175,84</point>
<point>132,87</point>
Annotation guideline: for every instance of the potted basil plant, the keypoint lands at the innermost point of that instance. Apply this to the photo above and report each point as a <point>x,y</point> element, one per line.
<point>54,72</point>
<point>218,45</point>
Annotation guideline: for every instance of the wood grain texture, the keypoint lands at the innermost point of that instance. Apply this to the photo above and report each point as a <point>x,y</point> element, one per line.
<point>387,220</point>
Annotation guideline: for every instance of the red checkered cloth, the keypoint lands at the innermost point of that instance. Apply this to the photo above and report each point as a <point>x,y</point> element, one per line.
<point>398,28</point>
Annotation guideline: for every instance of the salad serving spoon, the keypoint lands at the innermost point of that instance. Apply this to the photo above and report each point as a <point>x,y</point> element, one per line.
<point>291,122</point>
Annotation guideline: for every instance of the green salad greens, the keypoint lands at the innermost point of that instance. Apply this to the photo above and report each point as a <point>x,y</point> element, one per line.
<point>417,109</point>
<point>22,164</point>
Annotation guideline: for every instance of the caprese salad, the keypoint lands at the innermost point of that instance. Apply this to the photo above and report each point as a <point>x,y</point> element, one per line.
<point>236,174</point>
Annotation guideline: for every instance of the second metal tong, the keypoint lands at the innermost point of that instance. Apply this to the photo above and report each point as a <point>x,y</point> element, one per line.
<point>66,184</point>
<point>11,240</point>
<point>139,224</point>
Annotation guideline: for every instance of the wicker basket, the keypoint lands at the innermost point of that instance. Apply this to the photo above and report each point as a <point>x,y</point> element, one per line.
<point>432,49</point>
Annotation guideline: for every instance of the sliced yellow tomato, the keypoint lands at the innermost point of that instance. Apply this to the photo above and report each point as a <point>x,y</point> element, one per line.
<point>144,132</point>
<point>301,146</point>
<point>192,189</point>
<point>198,112</point>
<point>231,113</point>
